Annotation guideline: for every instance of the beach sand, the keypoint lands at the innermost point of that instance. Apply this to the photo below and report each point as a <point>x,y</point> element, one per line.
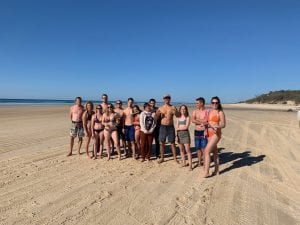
<point>259,181</point>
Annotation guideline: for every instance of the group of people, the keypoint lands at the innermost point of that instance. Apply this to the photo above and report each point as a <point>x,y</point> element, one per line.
<point>112,126</point>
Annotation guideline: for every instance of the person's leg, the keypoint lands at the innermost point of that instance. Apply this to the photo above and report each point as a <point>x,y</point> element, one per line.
<point>79,144</point>
<point>96,144</point>
<point>143,145</point>
<point>87,143</point>
<point>137,142</point>
<point>171,138</point>
<point>162,141</point>
<point>182,155</point>
<point>157,144</point>
<point>107,136</point>
<point>116,141</point>
<point>212,142</point>
<point>71,145</point>
<point>216,160</point>
<point>149,145</point>
<point>101,144</point>
<point>173,147</point>
<point>189,154</point>
<point>162,152</point>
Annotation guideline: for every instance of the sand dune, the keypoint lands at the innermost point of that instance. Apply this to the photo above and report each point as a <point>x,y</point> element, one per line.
<point>259,180</point>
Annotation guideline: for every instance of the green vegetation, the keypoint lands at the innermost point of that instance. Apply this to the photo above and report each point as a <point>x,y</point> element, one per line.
<point>277,97</point>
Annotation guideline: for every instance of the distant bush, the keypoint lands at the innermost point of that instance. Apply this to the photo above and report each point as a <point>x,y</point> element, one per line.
<point>276,97</point>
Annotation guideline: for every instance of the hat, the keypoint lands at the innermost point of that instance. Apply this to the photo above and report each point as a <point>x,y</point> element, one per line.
<point>166,96</point>
<point>118,102</point>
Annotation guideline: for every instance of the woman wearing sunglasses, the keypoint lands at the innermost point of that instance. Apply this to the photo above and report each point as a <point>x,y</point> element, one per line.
<point>110,130</point>
<point>216,122</point>
<point>97,131</point>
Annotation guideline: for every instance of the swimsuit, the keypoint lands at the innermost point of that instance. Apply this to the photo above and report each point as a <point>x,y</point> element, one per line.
<point>213,118</point>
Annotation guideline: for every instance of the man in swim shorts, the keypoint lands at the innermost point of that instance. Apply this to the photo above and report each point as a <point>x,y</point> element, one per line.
<point>76,130</point>
<point>167,129</point>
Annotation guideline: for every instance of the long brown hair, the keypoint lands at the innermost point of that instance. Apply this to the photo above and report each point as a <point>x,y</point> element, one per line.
<point>220,108</point>
<point>186,109</point>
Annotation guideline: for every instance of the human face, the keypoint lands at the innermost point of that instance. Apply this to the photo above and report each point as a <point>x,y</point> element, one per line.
<point>118,105</point>
<point>215,103</point>
<point>104,98</point>
<point>152,104</point>
<point>130,103</point>
<point>78,101</point>
<point>199,104</point>
<point>167,100</point>
<point>109,107</point>
<point>99,109</point>
<point>182,110</point>
<point>89,107</point>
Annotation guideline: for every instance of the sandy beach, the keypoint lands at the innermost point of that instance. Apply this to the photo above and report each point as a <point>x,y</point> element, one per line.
<point>259,181</point>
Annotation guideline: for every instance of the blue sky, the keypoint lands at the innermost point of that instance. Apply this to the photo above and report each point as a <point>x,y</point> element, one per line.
<point>143,49</point>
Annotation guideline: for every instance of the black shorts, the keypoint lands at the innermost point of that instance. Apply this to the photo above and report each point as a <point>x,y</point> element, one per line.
<point>167,132</point>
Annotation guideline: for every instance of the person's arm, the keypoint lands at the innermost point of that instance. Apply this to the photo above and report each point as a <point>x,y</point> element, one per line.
<point>142,122</point>
<point>222,123</point>
<point>194,119</point>
<point>84,121</point>
<point>154,124</point>
<point>188,122</point>
<point>71,113</point>
<point>93,124</point>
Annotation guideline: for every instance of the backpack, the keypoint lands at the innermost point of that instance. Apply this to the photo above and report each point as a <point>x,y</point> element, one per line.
<point>149,121</point>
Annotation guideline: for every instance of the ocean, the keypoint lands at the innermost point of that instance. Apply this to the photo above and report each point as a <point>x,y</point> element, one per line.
<point>45,102</point>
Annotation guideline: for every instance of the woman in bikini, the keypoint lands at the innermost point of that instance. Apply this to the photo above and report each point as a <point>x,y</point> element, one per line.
<point>97,131</point>
<point>216,122</point>
<point>183,135</point>
<point>110,130</point>
<point>137,128</point>
<point>86,119</point>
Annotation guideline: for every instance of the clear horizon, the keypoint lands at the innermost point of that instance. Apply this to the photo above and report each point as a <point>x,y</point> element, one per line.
<point>235,50</point>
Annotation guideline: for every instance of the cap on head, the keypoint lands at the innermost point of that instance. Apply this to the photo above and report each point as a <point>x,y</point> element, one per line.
<point>118,102</point>
<point>167,96</point>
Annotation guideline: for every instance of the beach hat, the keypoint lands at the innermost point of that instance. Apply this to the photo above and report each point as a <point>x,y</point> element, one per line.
<point>166,96</point>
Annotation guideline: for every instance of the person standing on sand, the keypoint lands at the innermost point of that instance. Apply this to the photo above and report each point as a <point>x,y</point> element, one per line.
<point>119,123</point>
<point>104,103</point>
<point>76,130</point>
<point>152,103</point>
<point>148,123</point>
<point>167,129</point>
<point>110,130</point>
<point>98,131</point>
<point>129,127</point>
<point>183,134</point>
<point>199,118</point>
<point>86,119</point>
<point>216,122</point>
<point>137,129</point>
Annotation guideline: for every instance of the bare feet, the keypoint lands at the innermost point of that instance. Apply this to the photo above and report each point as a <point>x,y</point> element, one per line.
<point>69,154</point>
<point>206,175</point>
<point>215,173</point>
<point>161,160</point>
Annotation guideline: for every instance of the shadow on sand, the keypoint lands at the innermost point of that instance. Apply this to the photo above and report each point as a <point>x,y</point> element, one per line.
<point>239,159</point>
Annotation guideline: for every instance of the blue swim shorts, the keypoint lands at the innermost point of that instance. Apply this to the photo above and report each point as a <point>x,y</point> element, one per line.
<point>200,140</point>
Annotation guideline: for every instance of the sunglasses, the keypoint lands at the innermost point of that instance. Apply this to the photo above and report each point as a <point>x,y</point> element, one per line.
<point>109,107</point>
<point>215,103</point>
<point>98,108</point>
